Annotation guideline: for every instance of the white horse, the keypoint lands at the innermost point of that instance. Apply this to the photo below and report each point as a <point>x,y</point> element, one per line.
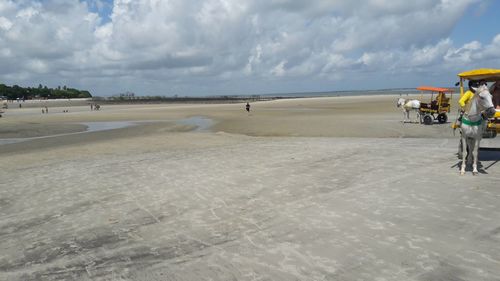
<point>473,126</point>
<point>407,106</point>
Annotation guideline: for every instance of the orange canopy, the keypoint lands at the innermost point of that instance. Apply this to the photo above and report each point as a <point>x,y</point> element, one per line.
<point>434,89</point>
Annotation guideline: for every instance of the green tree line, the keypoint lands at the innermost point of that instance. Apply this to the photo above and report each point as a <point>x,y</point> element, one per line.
<point>64,92</point>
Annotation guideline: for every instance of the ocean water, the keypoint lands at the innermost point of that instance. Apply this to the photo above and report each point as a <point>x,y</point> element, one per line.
<point>344,93</point>
<point>401,91</point>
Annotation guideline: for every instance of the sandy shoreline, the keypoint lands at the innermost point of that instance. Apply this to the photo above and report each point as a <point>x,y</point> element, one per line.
<point>300,189</point>
<point>359,116</point>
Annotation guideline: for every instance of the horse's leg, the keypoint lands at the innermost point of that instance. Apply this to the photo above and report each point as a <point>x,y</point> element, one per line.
<point>460,147</point>
<point>475,155</point>
<point>470,151</point>
<point>464,154</point>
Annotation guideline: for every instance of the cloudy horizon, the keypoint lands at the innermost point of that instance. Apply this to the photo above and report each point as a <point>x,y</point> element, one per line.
<point>209,47</point>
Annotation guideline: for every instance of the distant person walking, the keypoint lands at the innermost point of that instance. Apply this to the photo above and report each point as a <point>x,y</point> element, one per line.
<point>247,107</point>
<point>91,107</point>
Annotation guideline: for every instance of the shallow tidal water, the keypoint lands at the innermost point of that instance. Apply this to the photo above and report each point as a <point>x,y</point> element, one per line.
<point>201,123</point>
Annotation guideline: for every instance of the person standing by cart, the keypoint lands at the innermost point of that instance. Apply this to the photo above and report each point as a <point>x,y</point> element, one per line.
<point>495,93</point>
<point>464,100</point>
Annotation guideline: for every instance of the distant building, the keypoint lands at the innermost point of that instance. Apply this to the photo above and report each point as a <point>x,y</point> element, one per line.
<point>124,96</point>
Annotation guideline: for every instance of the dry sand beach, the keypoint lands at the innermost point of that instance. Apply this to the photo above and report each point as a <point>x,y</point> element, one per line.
<point>301,189</point>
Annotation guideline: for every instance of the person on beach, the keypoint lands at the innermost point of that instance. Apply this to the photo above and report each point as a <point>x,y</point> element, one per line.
<point>247,107</point>
<point>464,100</point>
<point>495,92</point>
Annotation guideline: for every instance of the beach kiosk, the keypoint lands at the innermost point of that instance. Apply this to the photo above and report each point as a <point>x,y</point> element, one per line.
<point>488,75</point>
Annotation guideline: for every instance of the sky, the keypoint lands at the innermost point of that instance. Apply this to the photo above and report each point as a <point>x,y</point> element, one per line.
<point>244,47</point>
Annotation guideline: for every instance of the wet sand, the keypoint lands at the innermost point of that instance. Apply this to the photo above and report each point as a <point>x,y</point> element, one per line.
<point>302,189</point>
<point>359,116</point>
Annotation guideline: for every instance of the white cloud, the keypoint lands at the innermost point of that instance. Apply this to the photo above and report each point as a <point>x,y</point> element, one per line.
<point>37,66</point>
<point>429,55</point>
<point>279,70</point>
<point>179,43</point>
<point>374,60</point>
<point>490,53</point>
<point>462,55</point>
<point>5,24</point>
<point>7,6</point>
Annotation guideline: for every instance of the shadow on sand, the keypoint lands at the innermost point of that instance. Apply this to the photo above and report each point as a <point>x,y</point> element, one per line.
<point>489,154</point>
<point>485,154</point>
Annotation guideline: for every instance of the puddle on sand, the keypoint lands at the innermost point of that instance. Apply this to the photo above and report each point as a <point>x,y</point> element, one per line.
<point>103,126</point>
<point>201,123</point>
<point>91,127</point>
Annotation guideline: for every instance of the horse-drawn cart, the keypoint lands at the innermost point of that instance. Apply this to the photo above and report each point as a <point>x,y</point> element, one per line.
<point>438,108</point>
<point>488,75</point>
